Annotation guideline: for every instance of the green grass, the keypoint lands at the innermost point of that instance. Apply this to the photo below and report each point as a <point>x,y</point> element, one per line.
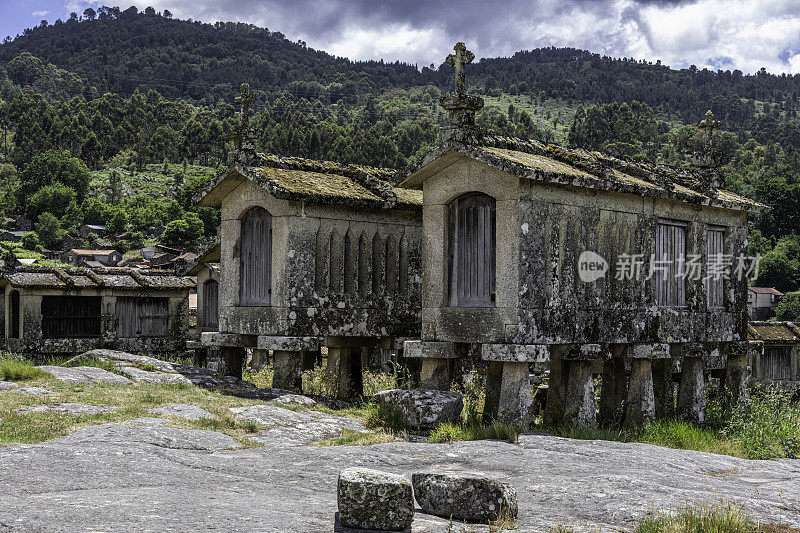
<point>447,433</point>
<point>14,368</point>
<point>151,181</point>
<point>358,438</point>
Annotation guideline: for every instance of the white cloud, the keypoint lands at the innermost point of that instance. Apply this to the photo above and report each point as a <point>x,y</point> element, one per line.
<point>40,13</point>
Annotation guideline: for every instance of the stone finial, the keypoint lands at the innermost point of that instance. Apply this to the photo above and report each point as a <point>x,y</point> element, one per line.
<point>708,124</point>
<point>460,60</point>
<point>243,137</point>
<point>708,159</point>
<point>460,106</point>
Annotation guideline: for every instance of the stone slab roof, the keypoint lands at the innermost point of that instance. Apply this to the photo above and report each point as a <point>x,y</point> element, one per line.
<point>99,278</point>
<point>308,180</point>
<point>551,163</point>
<point>772,331</point>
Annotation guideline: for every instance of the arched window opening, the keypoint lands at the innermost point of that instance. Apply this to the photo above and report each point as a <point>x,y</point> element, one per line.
<point>256,258</point>
<point>472,232</point>
<point>16,313</point>
<point>335,265</point>
<point>350,258</point>
<point>403,273</point>
<point>377,265</point>
<point>211,304</point>
<point>390,262</point>
<point>364,284</point>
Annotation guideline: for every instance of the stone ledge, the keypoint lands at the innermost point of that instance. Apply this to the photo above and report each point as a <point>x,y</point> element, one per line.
<point>214,338</point>
<point>516,353</point>
<point>287,344</point>
<point>580,352</point>
<point>429,349</point>
<point>649,351</point>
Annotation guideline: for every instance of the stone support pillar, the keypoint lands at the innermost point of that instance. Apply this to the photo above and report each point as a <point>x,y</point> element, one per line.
<point>556,391</point>
<point>288,373</point>
<point>231,360</point>
<point>508,385</point>
<point>640,405</point>
<point>737,372</point>
<point>691,391</point>
<point>344,368</point>
<point>614,389</point>
<point>436,369</point>
<point>663,389</point>
<point>258,359</point>
<point>580,408</point>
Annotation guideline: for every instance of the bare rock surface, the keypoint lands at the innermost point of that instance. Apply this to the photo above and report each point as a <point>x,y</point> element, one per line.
<point>464,496</point>
<point>183,410</point>
<point>292,428</point>
<point>33,391</point>
<point>7,385</point>
<point>134,478</point>
<point>422,408</point>
<point>369,499</point>
<point>67,408</point>
<point>86,375</point>
<point>159,378</point>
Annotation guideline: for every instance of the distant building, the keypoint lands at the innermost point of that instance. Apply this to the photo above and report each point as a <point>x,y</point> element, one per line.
<point>22,223</point>
<point>88,229</point>
<point>12,235</point>
<point>779,362</point>
<point>92,258</point>
<point>67,311</point>
<point>762,301</point>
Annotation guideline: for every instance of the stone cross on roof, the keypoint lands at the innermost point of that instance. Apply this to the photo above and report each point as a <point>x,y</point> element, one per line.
<point>245,99</point>
<point>708,124</point>
<point>460,60</point>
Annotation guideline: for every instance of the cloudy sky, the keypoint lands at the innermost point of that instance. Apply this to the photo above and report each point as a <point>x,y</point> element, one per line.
<point>727,34</point>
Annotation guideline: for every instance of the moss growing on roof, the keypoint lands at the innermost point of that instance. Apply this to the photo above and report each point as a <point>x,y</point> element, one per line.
<point>314,184</point>
<point>77,278</point>
<point>774,331</point>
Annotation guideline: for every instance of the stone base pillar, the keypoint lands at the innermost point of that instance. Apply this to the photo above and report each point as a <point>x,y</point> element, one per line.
<point>579,404</point>
<point>738,372</point>
<point>258,359</point>
<point>641,403</point>
<point>663,389</point>
<point>691,392</point>
<point>614,390</point>
<point>231,360</point>
<point>310,359</point>
<point>435,373</point>
<point>556,392</point>
<point>508,393</point>
<point>288,371</point>
<point>344,368</point>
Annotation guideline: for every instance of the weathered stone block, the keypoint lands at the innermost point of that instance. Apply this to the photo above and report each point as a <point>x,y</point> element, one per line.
<point>435,374</point>
<point>691,393</point>
<point>508,393</point>
<point>288,372</point>
<point>288,344</point>
<point>473,497</point>
<point>519,353</point>
<point>649,351</point>
<point>421,408</point>
<point>579,403</point>
<point>369,499</point>
<point>430,349</point>
<point>641,405</point>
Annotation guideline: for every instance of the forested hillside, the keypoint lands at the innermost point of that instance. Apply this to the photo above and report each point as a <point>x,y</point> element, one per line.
<point>125,93</point>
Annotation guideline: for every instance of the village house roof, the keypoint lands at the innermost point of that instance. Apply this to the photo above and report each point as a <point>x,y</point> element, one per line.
<point>771,331</point>
<point>308,180</point>
<point>32,277</point>
<point>78,251</point>
<point>208,257</point>
<point>552,163</point>
<point>765,290</point>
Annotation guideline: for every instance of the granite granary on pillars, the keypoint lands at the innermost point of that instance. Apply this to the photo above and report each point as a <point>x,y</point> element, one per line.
<point>535,251</point>
<point>206,269</point>
<point>775,359</point>
<point>71,310</point>
<point>313,253</point>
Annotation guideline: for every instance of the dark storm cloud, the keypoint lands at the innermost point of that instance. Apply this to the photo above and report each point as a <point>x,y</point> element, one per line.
<point>752,33</point>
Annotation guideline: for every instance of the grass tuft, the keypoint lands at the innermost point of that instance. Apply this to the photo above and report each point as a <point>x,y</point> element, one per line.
<point>14,368</point>
<point>448,433</point>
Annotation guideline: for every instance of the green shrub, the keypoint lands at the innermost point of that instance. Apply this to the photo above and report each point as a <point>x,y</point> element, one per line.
<point>693,517</point>
<point>768,427</point>
<point>14,368</point>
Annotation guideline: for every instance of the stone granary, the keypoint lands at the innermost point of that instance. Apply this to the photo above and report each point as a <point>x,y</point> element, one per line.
<point>521,243</point>
<point>313,253</point>
<point>71,310</point>
<point>207,271</point>
<point>778,363</point>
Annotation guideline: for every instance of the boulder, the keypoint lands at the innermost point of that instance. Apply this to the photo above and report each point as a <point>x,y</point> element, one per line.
<point>472,497</point>
<point>369,499</point>
<point>421,408</point>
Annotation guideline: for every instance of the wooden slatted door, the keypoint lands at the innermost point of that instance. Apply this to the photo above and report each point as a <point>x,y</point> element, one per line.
<point>472,230</point>
<point>670,252</point>
<point>210,304</point>
<point>141,317</point>
<point>256,259</point>
<point>715,246</point>
<point>776,363</point>
<point>67,317</point>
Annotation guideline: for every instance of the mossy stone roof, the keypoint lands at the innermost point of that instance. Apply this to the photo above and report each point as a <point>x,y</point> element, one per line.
<point>101,278</point>
<point>776,332</point>
<point>325,182</point>
<point>552,163</point>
